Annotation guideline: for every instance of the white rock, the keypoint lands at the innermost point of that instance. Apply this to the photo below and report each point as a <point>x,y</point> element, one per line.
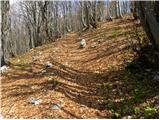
<point>56,106</point>
<point>48,64</point>
<point>43,71</point>
<point>83,43</point>
<point>35,87</point>
<point>40,53</point>
<point>3,69</point>
<point>35,101</point>
<point>52,73</point>
<point>129,117</point>
<point>50,78</point>
<point>94,45</point>
<point>142,117</point>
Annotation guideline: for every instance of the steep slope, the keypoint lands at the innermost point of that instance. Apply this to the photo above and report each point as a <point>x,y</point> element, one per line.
<point>90,82</point>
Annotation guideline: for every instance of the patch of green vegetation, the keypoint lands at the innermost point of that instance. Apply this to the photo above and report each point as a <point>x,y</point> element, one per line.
<point>21,62</point>
<point>111,106</point>
<point>115,32</point>
<point>98,86</point>
<point>139,76</point>
<point>117,115</point>
<point>137,110</point>
<point>104,86</point>
<point>125,109</point>
<point>107,85</point>
<point>138,95</point>
<point>23,59</point>
<point>127,77</point>
<point>126,106</point>
<point>110,67</point>
<point>149,112</point>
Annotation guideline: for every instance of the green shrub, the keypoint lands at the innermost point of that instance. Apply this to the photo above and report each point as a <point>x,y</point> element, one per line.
<point>138,95</point>
<point>111,105</point>
<point>136,110</point>
<point>149,112</point>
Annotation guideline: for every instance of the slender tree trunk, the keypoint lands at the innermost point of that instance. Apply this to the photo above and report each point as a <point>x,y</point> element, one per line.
<point>108,17</point>
<point>116,10</point>
<point>94,16</point>
<point>119,10</point>
<point>5,31</point>
<point>84,25</point>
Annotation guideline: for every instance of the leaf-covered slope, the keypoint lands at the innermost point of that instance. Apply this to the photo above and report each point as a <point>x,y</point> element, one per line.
<point>89,82</point>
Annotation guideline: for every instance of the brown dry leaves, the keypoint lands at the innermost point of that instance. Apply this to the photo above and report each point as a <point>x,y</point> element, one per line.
<point>77,73</point>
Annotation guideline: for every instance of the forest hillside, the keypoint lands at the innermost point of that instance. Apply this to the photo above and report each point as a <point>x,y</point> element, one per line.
<point>90,82</point>
<point>79,59</point>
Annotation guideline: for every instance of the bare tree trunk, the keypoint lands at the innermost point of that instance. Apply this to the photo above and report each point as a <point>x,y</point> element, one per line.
<point>119,10</point>
<point>100,10</point>
<point>5,31</point>
<point>148,19</point>
<point>108,12</point>
<point>86,14</point>
<point>116,10</point>
<point>84,25</point>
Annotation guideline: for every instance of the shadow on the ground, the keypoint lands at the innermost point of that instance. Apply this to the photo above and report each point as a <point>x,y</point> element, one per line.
<point>113,90</point>
<point>119,90</point>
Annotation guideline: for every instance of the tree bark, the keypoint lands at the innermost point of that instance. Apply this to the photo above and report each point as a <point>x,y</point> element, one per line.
<point>5,32</point>
<point>149,22</point>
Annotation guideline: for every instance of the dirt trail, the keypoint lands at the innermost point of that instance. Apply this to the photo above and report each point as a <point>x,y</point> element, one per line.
<point>87,80</point>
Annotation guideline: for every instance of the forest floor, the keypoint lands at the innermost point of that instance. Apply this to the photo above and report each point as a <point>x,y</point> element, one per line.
<point>90,82</point>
